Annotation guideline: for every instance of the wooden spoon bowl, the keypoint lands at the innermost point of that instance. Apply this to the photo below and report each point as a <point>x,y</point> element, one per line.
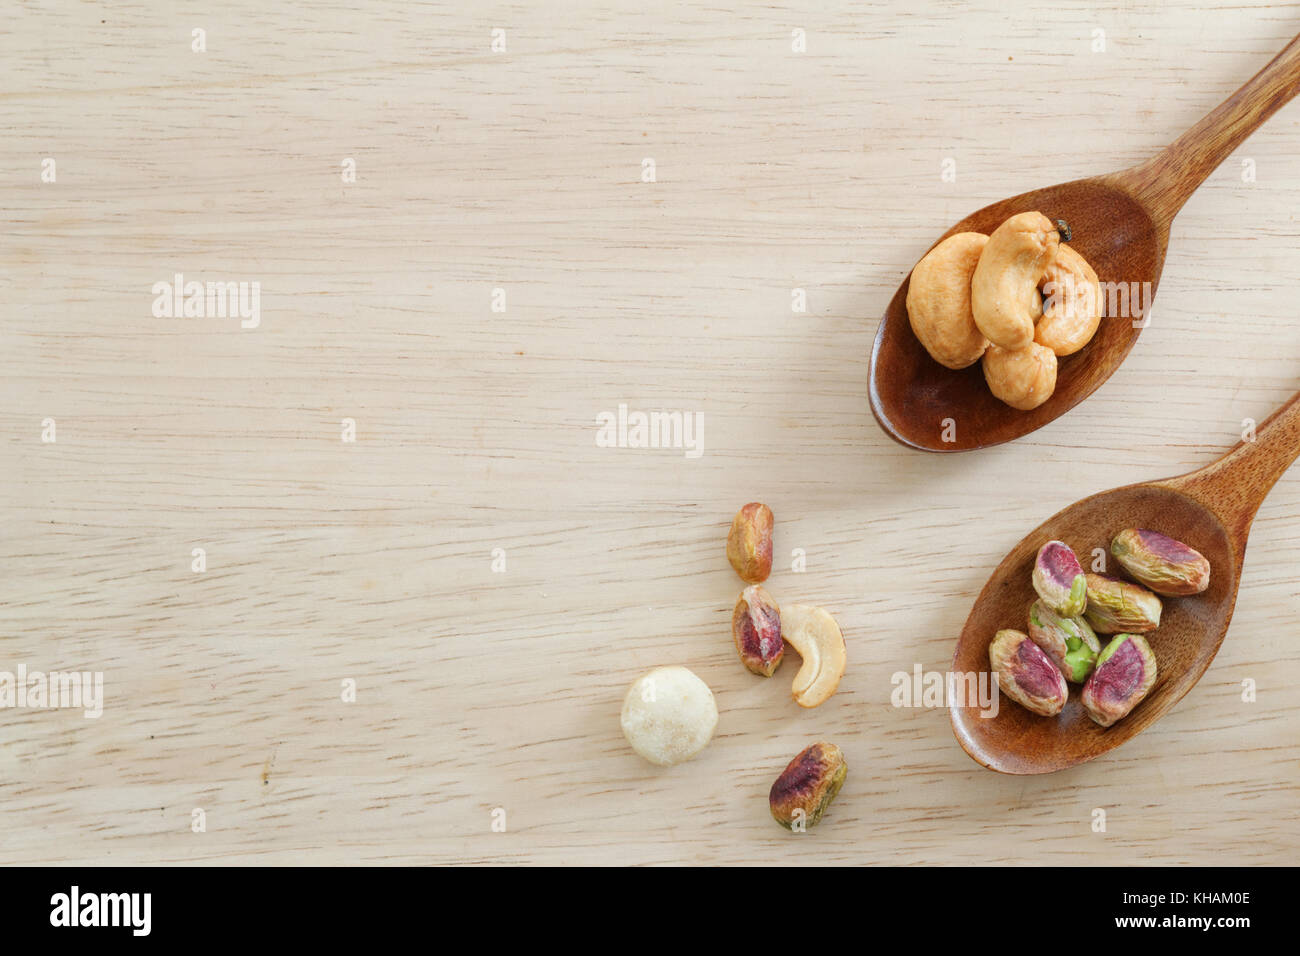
<point>1110,228</point>
<point>1211,510</point>
<point>1120,224</point>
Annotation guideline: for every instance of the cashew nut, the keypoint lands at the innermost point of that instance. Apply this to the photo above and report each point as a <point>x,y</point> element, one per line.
<point>1004,286</point>
<point>1023,379</point>
<point>1072,309</point>
<point>815,636</point>
<point>938,301</point>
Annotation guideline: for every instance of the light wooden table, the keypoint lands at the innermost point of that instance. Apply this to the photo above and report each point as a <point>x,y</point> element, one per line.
<point>372,560</point>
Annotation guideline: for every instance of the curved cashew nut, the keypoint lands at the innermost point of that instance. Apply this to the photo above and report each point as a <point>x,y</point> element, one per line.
<point>938,301</point>
<point>815,636</point>
<point>1023,379</point>
<point>1072,309</point>
<point>1004,286</point>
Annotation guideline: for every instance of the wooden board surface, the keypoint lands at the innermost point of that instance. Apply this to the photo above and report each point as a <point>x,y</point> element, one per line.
<point>372,560</point>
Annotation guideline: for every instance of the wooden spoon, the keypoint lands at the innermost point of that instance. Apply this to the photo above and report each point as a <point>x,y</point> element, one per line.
<point>1211,510</point>
<point>1120,224</point>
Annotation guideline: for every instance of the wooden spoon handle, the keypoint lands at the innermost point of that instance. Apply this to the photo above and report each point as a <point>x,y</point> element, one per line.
<point>1164,183</point>
<point>1235,486</point>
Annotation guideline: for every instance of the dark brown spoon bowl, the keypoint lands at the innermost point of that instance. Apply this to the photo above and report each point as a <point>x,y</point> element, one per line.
<point>1118,237</point>
<point>1120,224</point>
<point>1211,510</point>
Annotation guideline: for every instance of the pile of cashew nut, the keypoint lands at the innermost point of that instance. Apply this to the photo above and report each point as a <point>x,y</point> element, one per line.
<point>1017,299</point>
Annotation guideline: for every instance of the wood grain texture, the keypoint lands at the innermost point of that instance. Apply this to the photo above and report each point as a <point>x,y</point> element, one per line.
<point>476,429</point>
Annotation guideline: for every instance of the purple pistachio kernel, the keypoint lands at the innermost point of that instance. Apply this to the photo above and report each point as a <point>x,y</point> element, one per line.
<point>1120,607</point>
<point>1026,674</point>
<point>1162,564</point>
<point>1035,673</point>
<point>1125,674</point>
<point>1059,579</point>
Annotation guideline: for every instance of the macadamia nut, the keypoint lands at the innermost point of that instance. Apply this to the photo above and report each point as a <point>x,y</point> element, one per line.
<point>938,301</point>
<point>669,715</point>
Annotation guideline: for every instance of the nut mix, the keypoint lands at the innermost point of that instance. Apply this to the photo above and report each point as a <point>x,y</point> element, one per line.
<point>807,786</point>
<point>1063,629</point>
<point>761,629</point>
<point>1019,299</point>
<point>749,545</point>
<point>669,715</point>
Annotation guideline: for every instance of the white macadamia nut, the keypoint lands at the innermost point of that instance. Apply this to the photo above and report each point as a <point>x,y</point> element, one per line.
<point>669,715</point>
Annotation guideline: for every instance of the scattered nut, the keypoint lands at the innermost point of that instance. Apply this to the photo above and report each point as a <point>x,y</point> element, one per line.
<point>1160,563</point>
<point>1070,642</point>
<point>756,629</point>
<point>807,786</point>
<point>1023,379</point>
<point>1072,309</point>
<point>669,715</point>
<point>815,636</point>
<point>1126,671</point>
<point>1116,606</point>
<point>1059,579</point>
<point>938,301</point>
<point>749,544</point>
<point>1004,286</point>
<point>1026,674</point>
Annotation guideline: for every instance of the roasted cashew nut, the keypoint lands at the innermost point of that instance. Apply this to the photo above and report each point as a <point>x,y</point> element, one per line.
<point>815,636</point>
<point>1072,303</point>
<point>1024,379</point>
<point>938,301</point>
<point>1004,286</point>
